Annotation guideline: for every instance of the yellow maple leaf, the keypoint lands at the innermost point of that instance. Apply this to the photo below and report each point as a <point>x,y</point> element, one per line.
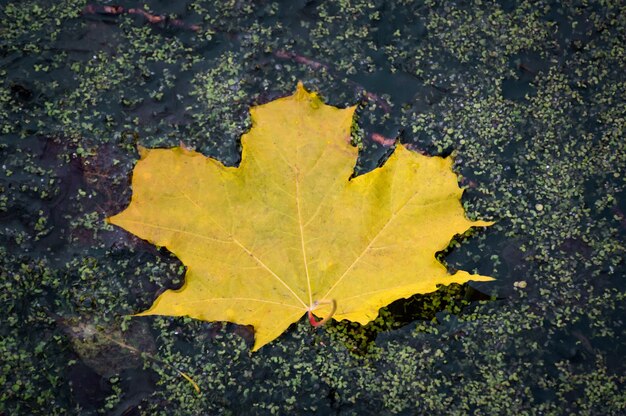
<point>287,232</point>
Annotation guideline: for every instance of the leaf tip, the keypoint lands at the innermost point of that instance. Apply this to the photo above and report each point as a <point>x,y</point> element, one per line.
<point>113,219</point>
<point>481,278</point>
<point>461,276</point>
<point>185,148</point>
<point>481,223</point>
<point>302,94</point>
<point>143,151</point>
<point>143,313</point>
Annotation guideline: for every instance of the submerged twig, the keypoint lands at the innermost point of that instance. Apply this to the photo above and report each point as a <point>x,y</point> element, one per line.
<point>94,9</point>
<point>91,331</point>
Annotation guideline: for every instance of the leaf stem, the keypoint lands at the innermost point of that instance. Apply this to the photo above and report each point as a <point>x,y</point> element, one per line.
<point>312,319</point>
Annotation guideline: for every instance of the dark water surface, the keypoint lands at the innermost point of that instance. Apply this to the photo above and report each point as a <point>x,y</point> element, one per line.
<point>530,97</point>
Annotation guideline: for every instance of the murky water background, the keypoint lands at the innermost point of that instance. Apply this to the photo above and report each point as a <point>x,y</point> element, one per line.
<point>529,97</point>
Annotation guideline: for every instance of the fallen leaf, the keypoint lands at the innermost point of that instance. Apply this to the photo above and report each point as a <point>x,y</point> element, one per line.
<point>288,232</point>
